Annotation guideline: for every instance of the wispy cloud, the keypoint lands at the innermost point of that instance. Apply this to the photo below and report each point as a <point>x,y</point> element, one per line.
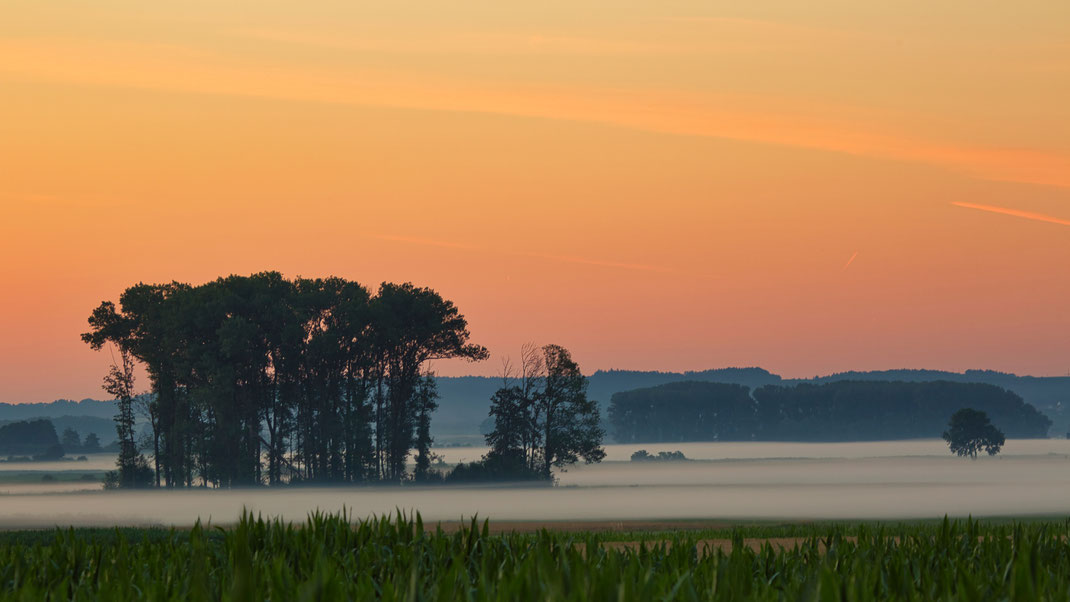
<point>473,42</point>
<point>668,111</point>
<point>1040,217</point>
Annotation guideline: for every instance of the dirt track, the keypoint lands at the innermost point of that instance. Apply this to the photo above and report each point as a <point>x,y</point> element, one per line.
<point>593,526</point>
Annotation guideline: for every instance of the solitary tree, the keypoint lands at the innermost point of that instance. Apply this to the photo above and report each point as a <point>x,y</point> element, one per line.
<point>970,431</point>
<point>91,444</point>
<point>71,441</point>
<point>119,383</point>
<point>543,418</point>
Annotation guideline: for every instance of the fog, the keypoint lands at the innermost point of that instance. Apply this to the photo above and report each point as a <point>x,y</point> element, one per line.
<point>92,463</point>
<point>890,480</point>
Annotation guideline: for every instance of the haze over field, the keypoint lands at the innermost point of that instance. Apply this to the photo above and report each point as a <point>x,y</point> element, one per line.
<point>886,480</point>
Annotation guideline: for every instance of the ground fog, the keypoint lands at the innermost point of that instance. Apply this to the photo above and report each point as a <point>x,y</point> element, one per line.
<point>789,481</point>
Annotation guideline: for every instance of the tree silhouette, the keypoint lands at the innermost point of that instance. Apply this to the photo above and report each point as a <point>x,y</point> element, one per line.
<point>260,379</point>
<point>91,445</point>
<point>970,431</point>
<point>542,417</point>
<point>71,441</point>
<point>119,383</point>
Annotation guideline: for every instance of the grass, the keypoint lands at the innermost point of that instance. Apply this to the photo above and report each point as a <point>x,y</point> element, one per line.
<point>397,558</point>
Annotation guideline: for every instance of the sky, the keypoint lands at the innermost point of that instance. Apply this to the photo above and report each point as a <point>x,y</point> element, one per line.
<point>807,187</point>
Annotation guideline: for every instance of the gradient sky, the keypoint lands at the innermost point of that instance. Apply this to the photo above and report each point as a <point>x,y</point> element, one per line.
<point>809,187</point>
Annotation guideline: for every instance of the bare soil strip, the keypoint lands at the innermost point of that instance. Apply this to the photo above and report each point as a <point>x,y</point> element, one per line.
<point>592,526</point>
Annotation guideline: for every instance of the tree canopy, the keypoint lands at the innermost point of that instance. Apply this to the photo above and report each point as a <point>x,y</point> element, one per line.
<point>970,431</point>
<point>29,438</point>
<point>542,419</point>
<point>261,379</point>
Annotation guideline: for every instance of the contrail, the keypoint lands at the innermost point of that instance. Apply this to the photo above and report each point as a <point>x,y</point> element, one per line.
<point>850,261</point>
<point>1040,217</point>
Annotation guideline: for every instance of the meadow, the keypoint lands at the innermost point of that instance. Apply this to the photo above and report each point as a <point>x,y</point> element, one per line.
<point>400,558</point>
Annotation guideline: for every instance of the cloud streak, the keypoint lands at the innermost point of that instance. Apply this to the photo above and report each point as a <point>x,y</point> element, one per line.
<point>1040,217</point>
<point>823,127</point>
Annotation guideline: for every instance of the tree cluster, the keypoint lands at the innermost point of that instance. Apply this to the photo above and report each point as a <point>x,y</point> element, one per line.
<point>33,438</point>
<point>542,419</point>
<point>664,456</point>
<point>261,379</point>
<point>836,411</point>
<point>73,443</point>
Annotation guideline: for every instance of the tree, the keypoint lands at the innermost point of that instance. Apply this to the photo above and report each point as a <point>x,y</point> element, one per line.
<point>71,441</point>
<point>258,379</point>
<point>29,437</point>
<point>119,383</point>
<point>569,421</point>
<point>970,431</point>
<point>425,404</point>
<point>410,327</point>
<point>91,444</point>
<point>542,416</point>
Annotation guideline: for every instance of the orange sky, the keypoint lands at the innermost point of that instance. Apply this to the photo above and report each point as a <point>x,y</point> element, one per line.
<point>810,187</point>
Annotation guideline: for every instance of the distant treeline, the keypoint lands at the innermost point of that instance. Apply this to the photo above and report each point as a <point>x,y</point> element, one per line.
<point>463,404</point>
<point>262,379</point>
<point>463,400</point>
<point>30,438</point>
<point>37,439</point>
<point>837,411</point>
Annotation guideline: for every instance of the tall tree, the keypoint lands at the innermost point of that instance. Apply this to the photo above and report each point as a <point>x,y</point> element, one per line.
<point>542,417</point>
<point>569,420</point>
<point>425,403</point>
<point>412,326</point>
<point>314,377</point>
<point>119,383</point>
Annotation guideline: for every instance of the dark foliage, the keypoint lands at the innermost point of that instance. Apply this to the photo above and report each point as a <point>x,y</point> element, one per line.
<point>970,431</point>
<point>664,456</point>
<point>260,379</point>
<point>30,437</point>
<point>837,411</point>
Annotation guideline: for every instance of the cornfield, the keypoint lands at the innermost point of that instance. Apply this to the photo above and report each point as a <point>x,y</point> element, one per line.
<point>330,557</point>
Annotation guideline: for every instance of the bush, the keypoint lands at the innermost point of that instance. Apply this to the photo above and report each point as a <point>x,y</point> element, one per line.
<point>53,452</point>
<point>142,477</point>
<point>493,468</point>
<point>665,456</point>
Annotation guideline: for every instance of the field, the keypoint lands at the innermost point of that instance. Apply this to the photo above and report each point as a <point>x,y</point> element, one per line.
<point>740,521</point>
<point>398,558</point>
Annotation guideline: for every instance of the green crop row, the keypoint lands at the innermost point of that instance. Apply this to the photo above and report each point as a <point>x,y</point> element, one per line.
<point>330,557</point>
